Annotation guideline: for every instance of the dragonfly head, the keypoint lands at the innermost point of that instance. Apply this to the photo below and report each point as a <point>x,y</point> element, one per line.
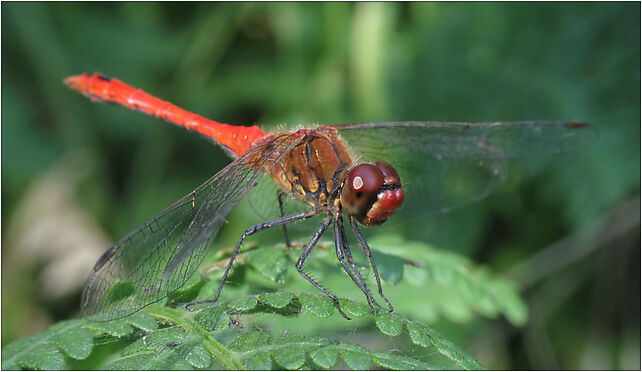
<point>371,193</point>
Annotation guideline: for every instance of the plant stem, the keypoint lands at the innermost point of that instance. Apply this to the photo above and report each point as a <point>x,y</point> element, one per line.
<point>187,322</point>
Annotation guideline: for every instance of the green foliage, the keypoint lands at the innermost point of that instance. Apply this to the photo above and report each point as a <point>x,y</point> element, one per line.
<point>460,288</point>
<point>277,64</point>
<point>207,339</point>
<point>162,337</point>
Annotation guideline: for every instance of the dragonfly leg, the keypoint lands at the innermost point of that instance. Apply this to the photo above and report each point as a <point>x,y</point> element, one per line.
<point>343,251</point>
<point>252,230</point>
<point>304,256</point>
<point>356,270</point>
<point>279,196</point>
<point>366,249</point>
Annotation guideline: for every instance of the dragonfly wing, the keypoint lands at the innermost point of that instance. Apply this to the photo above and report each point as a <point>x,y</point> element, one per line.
<point>444,166</point>
<point>161,255</point>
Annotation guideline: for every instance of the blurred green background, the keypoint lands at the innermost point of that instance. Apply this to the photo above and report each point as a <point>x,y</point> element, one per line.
<point>78,175</point>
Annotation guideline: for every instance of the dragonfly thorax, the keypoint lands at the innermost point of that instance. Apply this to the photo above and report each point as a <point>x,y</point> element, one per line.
<point>371,193</point>
<point>312,170</point>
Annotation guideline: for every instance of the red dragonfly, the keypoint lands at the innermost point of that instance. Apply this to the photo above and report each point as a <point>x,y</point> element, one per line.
<point>445,165</point>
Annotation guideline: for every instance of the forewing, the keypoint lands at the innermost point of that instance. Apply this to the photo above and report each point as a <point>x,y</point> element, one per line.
<point>444,166</point>
<point>158,257</point>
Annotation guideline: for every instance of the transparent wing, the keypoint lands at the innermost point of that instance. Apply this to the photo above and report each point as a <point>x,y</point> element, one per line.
<point>444,166</point>
<point>158,257</point>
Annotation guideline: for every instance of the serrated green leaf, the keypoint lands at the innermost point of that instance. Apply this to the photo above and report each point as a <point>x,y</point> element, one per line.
<point>44,356</point>
<point>290,356</point>
<point>512,305</point>
<point>271,262</point>
<point>11,353</point>
<point>186,344</point>
<point>32,353</point>
<point>167,348</point>
<point>354,308</point>
<point>259,361</point>
<point>116,328</point>
<point>277,300</point>
<point>150,361</point>
<point>325,357</point>
<point>213,318</point>
<point>317,305</point>
<point>356,358</point>
<point>250,340</point>
<point>199,357</point>
<point>460,286</point>
<point>195,334</point>
<point>156,341</point>
<point>390,267</point>
<point>74,340</point>
<point>69,337</point>
<point>418,334</point>
<point>401,363</point>
<point>453,352</point>
<point>476,292</point>
<point>142,320</point>
<point>129,362</point>
<point>251,350</point>
<point>243,303</point>
<point>425,336</point>
<point>389,324</point>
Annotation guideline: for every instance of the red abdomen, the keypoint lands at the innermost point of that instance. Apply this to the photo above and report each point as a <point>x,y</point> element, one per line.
<point>236,139</point>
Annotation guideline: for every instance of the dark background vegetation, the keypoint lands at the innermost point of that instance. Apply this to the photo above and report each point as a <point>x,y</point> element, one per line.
<point>77,176</point>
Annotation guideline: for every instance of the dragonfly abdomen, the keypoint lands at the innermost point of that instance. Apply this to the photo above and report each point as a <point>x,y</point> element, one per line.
<point>237,140</point>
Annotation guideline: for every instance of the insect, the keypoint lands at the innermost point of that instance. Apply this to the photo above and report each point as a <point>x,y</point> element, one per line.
<point>366,172</point>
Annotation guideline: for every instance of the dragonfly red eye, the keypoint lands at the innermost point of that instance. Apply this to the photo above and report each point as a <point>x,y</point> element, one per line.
<point>372,193</point>
<point>390,175</point>
<point>365,178</point>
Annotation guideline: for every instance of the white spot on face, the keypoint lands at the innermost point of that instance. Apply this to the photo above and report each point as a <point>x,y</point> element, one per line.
<point>357,183</point>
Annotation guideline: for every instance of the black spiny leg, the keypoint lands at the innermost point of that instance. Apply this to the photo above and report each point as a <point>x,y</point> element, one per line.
<point>348,254</point>
<point>304,256</point>
<point>342,247</point>
<point>279,196</point>
<point>366,249</point>
<point>248,232</point>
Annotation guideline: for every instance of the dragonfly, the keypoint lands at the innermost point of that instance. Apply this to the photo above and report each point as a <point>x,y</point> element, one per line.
<point>367,172</point>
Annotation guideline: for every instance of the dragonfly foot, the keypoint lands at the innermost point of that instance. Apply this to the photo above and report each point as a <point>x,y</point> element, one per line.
<point>390,308</point>
<point>336,304</point>
<point>188,306</point>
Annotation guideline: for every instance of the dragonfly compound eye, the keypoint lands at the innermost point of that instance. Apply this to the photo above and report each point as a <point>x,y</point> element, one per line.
<point>372,193</point>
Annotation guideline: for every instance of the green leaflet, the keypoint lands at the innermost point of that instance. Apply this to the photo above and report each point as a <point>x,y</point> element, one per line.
<point>320,306</point>
<point>215,336</point>
<point>356,357</point>
<point>450,285</point>
<point>32,354</point>
<point>425,336</point>
<point>454,286</point>
<point>271,262</point>
<point>47,350</point>
<point>165,349</point>
<point>276,300</point>
<point>243,303</point>
<point>389,324</point>
<point>207,339</point>
<point>325,357</point>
